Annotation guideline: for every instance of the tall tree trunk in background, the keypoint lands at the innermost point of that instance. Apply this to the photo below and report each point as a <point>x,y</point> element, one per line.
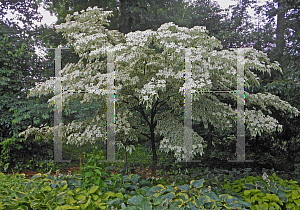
<point>209,138</point>
<point>126,20</point>
<point>280,42</point>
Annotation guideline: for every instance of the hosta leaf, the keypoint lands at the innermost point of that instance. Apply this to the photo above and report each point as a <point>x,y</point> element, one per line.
<point>197,183</point>
<point>250,186</point>
<point>93,189</point>
<point>185,187</point>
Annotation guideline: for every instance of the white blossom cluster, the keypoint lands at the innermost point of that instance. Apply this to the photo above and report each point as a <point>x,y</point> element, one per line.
<point>96,129</point>
<point>146,74</point>
<point>173,133</point>
<point>159,83</point>
<point>168,72</point>
<point>87,32</point>
<point>99,128</point>
<point>44,131</point>
<point>43,88</point>
<point>92,37</point>
<point>138,38</point>
<point>271,100</point>
<point>258,122</point>
<point>217,113</point>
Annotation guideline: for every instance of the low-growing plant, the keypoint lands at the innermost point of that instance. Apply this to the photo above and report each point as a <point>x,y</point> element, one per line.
<point>46,166</point>
<point>17,154</point>
<point>296,173</point>
<point>94,170</point>
<point>114,182</point>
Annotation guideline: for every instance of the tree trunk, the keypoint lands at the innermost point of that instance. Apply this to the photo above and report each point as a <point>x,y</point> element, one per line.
<point>154,154</point>
<point>280,42</point>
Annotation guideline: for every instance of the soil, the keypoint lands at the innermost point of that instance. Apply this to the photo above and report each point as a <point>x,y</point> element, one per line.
<point>143,172</point>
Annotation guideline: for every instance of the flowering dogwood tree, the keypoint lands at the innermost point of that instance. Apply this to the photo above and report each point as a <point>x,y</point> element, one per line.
<point>149,74</point>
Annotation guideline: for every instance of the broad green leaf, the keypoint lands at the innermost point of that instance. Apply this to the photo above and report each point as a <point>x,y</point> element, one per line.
<point>197,183</point>
<point>93,189</point>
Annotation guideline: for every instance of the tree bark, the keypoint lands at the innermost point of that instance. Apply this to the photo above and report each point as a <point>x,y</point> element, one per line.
<point>154,154</point>
<point>152,126</point>
<point>280,42</point>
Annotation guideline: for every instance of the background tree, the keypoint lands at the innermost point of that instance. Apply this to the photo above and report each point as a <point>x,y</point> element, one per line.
<point>280,43</point>
<point>27,8</point>
<point>206,13</point>
<point>20,68</point>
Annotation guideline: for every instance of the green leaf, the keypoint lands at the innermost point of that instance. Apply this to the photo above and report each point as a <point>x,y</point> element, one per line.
<point>213,196</point>
<point>168,196</point>
<point>197,183</point>
<point>250,186</point>
<point>134,200</point>
<point>247,193</point>
<point>98,171</point>
<point>36,121</point>
<point>84,206</point>
<point>26,116</point>
<point>45,116</point>
<point>185,187</point>
<point>16,120</point>
<point>202,200</point>
<point>88,174</point>
<point>93,189</point>
<point>46,188</point>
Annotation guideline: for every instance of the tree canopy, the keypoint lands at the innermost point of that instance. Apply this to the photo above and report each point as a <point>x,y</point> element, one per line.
<point>149,73</point>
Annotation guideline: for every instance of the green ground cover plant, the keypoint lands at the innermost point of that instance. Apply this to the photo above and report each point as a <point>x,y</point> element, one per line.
<point>96,187</point>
